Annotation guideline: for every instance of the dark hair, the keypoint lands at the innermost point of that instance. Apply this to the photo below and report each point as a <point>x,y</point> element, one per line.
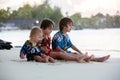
<point>46,23</point>
<point>63,22</point>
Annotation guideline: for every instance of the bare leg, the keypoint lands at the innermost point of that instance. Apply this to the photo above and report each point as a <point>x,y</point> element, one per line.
<point>82,57</point>
<point>64,56</point>
<point>92,58</point>
<point>51,59</point>
<point>88,59</point>
<point>40,59</point>
<point>101,59</point>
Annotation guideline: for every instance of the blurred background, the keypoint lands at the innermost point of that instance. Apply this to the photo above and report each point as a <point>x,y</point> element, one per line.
<point>24,14</point>
<point>96,22</point>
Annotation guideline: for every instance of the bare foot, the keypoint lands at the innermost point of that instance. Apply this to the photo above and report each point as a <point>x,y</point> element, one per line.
<point>46,59</point>
<point>102,59</point>
<point>81,58</point>
<point>88,59</point>
<point>52,60</point>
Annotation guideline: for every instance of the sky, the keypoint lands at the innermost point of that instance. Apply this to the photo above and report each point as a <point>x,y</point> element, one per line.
<point>85,7</point>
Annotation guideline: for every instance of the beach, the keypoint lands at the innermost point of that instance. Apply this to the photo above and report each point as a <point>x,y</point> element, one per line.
<point>98,42</point>
<point>14,68</point>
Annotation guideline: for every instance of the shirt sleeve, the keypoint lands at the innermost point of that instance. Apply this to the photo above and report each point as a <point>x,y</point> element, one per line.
<point>24,49</point>
<point>63,42</point>
<point>55,41</point>
<point>59,43</point>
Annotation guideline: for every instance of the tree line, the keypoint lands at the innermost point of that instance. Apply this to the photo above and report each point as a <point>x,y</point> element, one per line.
<point>45,11</point>
<point>96,21</point>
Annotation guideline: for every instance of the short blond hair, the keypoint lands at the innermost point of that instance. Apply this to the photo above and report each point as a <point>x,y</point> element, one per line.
<point>35,31</point>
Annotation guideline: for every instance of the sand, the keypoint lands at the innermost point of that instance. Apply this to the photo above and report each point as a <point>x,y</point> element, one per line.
<point>13,68</point>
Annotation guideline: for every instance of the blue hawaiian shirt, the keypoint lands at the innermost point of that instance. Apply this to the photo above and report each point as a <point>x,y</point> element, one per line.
<point>62,41</point>
<point>27,48</point>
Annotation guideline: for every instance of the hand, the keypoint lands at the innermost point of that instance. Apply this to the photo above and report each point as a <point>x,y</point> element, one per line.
<point>22,56</point>
<point>43,55</point>
<point>86,54</point>
<point>45,49</point>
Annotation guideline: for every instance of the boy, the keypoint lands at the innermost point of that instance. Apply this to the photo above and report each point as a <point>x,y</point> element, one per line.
<point>47,26</point>
<point>62,42</point>
<point>32,49</point>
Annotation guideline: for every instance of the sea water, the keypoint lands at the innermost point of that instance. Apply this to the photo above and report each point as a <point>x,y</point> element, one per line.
<point>90,39</point>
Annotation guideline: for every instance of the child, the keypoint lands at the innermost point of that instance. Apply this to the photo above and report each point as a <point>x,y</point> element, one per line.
<point>62,42</point>
<point>47,27</point>
<point>32,49</point>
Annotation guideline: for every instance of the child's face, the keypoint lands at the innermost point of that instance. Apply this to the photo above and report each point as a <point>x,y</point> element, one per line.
<point>69,27</point>
<point>38,37</point>
<point>48,30</point>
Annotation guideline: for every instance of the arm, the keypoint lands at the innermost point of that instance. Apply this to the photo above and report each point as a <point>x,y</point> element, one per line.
<point>23,51</point>
<point>76,49</point>
<point>44,49</point>
<point>22,56</point>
